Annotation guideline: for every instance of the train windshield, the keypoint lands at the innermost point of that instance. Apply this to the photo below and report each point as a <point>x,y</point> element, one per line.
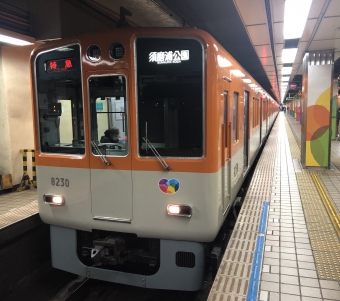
<point>170,96</point>
<point>108,115</point>
<point>60,101</point>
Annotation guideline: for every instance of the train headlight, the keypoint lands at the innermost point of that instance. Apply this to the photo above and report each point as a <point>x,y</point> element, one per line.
<point>179,210</point>
<point>56,200</point>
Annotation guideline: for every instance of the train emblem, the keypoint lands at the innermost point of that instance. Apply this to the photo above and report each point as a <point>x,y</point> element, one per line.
<point>168,186</point>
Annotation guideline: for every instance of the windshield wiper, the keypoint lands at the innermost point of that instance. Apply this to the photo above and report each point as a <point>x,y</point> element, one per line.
<point>158,156</point>
<point>96,148</point>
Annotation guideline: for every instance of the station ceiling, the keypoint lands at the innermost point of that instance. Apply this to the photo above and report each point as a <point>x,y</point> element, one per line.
<point>250,30</point>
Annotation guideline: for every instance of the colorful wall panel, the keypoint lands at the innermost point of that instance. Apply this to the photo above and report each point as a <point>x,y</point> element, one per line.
<point>318,115</point>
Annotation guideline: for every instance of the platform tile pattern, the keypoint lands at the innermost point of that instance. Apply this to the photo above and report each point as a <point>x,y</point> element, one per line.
<point>231,282</point>
<point>289,270</point>
<point>295,270</point>
<point>16,206</point>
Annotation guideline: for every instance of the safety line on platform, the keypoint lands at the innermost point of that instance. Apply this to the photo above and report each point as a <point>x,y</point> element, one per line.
<point>254,280</point>
<point>331,210</point>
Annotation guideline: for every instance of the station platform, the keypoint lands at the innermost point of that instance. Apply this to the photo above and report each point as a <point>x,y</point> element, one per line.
<point>285,244</point>
<point>18,213</point>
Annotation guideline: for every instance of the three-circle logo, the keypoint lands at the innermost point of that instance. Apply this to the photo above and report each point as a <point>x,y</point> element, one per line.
<point>169,186</point>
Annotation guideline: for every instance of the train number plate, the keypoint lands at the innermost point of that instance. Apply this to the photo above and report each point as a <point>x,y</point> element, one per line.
<point>63,182</point>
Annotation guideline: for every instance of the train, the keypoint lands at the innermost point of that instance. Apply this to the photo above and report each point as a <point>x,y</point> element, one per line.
<point>189,120</point>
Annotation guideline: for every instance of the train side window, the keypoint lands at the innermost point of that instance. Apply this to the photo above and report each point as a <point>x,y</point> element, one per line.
<point>235,118</point>
<point>226,118</point>
<point>108,114</point>
<point>254,112</point>
<point>59,101</point>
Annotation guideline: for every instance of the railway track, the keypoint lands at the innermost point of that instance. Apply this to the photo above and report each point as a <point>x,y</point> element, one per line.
<point>94,290</point>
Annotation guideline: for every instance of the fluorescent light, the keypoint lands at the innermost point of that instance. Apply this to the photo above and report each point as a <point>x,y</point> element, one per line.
<point>13,41</point>
<point>252,85</point>
<point>285,78</point>
<point>247,81</point>
<point>295,17</point>
<point>288,55</point>
<point>287,70</point>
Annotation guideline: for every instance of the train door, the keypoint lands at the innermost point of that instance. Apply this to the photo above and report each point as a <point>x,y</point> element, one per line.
<point>246,131</point>
<point>110,160</point>
<point>267,115</point>
<point>260,120</point>
<point>226,154</point>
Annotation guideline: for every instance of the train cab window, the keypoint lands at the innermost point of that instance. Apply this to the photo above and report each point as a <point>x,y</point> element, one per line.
<point>59,101</point>
<point>170,97</point>
<point>107,96</point>
<point>235,118</point>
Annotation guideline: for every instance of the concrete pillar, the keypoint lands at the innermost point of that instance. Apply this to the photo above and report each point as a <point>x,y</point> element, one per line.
<point>316,101</point>
<point>5,150</point>
<point>334,109</point>
<point>16,121</point>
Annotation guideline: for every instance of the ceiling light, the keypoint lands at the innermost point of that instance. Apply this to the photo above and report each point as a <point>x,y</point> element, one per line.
<point>295,17</point>
<point>285,78</point>
<point>247,81</point>
<point>13,41</point>
<point>287,70</point>
<point>288,55</point>
<point>252,85</point>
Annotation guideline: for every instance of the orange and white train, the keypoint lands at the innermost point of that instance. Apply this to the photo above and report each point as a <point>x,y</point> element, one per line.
<point>142,210</point>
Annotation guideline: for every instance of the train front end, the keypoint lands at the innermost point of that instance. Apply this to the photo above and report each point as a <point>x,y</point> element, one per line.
<point>137,208</point>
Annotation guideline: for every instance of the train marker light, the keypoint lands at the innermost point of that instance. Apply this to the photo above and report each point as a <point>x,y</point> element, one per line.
<point>179,210</point>
<point>56,200</point>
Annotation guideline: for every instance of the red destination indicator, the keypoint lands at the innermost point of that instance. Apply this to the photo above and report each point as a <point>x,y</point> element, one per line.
<point>60,65</point>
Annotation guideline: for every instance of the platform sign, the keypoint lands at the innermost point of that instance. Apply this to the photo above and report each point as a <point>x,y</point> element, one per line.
<point>293,86</point>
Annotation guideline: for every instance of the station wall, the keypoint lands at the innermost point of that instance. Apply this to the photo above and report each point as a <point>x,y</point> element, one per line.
<point>16,122</point>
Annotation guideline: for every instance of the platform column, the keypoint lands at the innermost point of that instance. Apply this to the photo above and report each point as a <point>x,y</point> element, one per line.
<point>316,108</point>
<point>334,110</point>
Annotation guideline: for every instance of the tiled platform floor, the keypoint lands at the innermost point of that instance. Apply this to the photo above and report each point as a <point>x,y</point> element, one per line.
<point>296,263</point>
<point>330,181</point>
<point>16,206</point>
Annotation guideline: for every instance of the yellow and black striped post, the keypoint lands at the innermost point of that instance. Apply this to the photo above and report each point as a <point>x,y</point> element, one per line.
<point>26,182</point>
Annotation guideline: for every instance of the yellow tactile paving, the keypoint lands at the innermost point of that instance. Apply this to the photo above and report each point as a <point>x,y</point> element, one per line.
<point>322,232</point>
<point>329,205</point>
